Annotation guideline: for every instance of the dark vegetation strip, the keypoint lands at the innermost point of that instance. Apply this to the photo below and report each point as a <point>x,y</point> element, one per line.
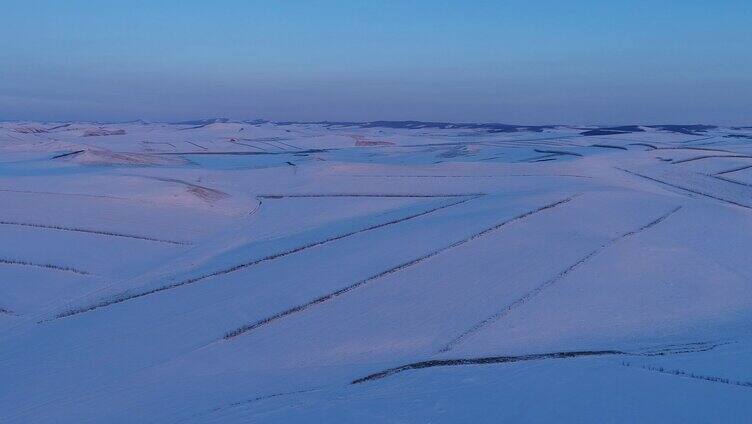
<point>703,149</point>
<point>739,168</point>
<point>417,176</point>
<point>461,176</point>
<point>159,142</point>
<point>696,139</point>
<point>509,143</point>
<point>332,295</point>
<point>608,146</point>
<point>278,255</point>
<point>557,152</point>
<point>68,154</point>
<point>268,143</point>
<point>197,145</point>
<point>316,195</point>
<point>459,143</point>
<point>195,187</point>
<point>644,144</point>
<point>537,290</point>
<point>58,127</point>
<point>592,133</point>
<point>257,208</point>
<point>83,230</point>
<point>246,402</point>
<point>538,158</point>
<point>247,145</point>
<point>483,361</point>
<point>244,153</point>
<point>276,144</point>
<point>550,156</point>
<point>689,190</point>
<point>52,193</point>
<point>260,398</point>
<point>710,143</point>
<point>688,374</point>
<point>675,349</point>
<point>262,142</point>
<point>668,350</point>
<point>729,180</point>
<point>288,145</point>
<point>709,157</point>
<point>47,266</point>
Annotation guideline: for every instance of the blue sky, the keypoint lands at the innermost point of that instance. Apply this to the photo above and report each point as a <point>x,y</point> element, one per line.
<point>528,62</point>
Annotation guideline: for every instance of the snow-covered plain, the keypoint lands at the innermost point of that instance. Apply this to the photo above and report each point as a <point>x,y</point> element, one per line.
<point>219,271</point>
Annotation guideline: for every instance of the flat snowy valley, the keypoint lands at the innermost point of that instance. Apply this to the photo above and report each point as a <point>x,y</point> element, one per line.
<point>384,272</point>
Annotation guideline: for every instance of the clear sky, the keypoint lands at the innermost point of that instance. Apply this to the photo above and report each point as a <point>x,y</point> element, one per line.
<point>527,62</point>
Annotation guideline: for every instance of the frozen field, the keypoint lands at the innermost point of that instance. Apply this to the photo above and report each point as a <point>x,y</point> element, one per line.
<point>219,271</point>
